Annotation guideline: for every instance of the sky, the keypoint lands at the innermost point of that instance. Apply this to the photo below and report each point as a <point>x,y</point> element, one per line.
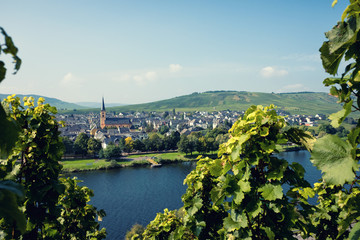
<point>139,51</point>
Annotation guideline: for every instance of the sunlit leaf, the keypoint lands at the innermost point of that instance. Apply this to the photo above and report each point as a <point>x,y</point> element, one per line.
<point>333,157</point>
<point>338,118</point>
<point>271,192</point>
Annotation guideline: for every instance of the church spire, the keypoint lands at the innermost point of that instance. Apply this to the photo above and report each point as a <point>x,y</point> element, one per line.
<point>103,105</point>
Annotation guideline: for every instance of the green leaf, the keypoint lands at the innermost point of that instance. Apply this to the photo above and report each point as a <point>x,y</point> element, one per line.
<point>197,204</point>
<point>9,134</point>
<point>271,192</point>
<point>244,186</point>
<point>343,34</point>
<point>235,221</point>
<point>264,131</point>
<point>12,187</point>
<point>355,232</point>
<point>9,209</point>
<point>239,196</point>
<point>270,234</point>
<point>331,61</point>
<point>277,170</point>
<point>216,167</point>
<point>353,136</point>
<point>235,153</point>
<point>298,168</point>
<point>333,157</point>
<point>338,118</point>
<point>230,225</point>
<point>254,208</point>
<point>2,71</point>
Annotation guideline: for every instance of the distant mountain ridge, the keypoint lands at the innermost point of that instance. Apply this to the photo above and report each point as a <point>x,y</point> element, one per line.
<point>294,102</point>
<point>59,104</point>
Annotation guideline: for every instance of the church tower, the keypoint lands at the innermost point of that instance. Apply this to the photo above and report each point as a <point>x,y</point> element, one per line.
<point>102,114</point>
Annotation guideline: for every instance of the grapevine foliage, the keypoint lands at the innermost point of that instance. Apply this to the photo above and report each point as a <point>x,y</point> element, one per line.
<point>339,194</point>
<point>241,194</point>
<point>54,208</point>
<point>10,192</point>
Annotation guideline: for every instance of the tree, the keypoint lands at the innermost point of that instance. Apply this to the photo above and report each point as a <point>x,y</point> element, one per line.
<point>164,129</point>
<point>154,142</point>
<point>93,146</point>
<point>201,146</point>
<point>39,149</point>
<point>327,128</point>
<point>139,145</point>
<point>129,144</point>
<point>81,144</point>
<point>68,145</point>
<point>112,151</point>
<point>188,144</point>
<point>149,128</point>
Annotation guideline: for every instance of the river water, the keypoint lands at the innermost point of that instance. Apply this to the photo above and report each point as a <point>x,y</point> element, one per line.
<point>135,195</point>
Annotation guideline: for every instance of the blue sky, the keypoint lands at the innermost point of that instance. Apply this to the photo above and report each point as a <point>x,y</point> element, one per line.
<point>140,51</point>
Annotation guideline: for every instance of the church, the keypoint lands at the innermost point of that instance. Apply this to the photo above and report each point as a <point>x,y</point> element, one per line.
<point>113,122</point>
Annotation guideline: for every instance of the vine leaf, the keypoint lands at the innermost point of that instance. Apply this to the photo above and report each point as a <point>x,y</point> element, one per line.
<point>340,37</point>
<point>338,117</point>
<point>333,157</point>
<point>10,192</point>
<point>271,192</point>
<point>355,232</point>
<point>9,134</point>
<point>235,221</point>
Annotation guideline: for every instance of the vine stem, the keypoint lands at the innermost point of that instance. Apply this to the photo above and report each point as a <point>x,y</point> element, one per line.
<point>353,182</point>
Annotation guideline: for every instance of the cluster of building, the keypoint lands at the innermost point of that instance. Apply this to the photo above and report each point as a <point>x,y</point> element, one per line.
<point>110,127</point>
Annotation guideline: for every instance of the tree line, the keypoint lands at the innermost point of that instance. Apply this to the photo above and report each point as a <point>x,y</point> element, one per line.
<point>203,142</point>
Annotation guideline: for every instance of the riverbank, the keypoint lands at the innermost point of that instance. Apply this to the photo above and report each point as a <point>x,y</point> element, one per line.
<point>80,165</point>
<point>136,160</point>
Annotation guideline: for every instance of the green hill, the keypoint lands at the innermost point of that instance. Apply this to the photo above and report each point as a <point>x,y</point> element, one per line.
<point>60,105</point>
<point>294,103</point>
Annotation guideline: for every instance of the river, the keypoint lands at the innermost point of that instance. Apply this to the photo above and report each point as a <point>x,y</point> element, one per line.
<point>135,195</point>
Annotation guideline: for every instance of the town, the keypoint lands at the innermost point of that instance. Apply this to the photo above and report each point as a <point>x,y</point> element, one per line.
<point>113,128</point>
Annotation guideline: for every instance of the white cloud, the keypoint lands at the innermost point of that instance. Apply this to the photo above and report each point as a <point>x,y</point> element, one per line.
<point>151,76</point>
<point>69,80</point>
<point>269,71</point>
<point>175,68</point>
<point>293,88</point>
<point>124,78</point>
<point>144,79</point>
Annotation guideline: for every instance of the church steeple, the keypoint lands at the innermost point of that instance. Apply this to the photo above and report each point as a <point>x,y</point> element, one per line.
<point>103,105</point>
<point>102,114</point>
